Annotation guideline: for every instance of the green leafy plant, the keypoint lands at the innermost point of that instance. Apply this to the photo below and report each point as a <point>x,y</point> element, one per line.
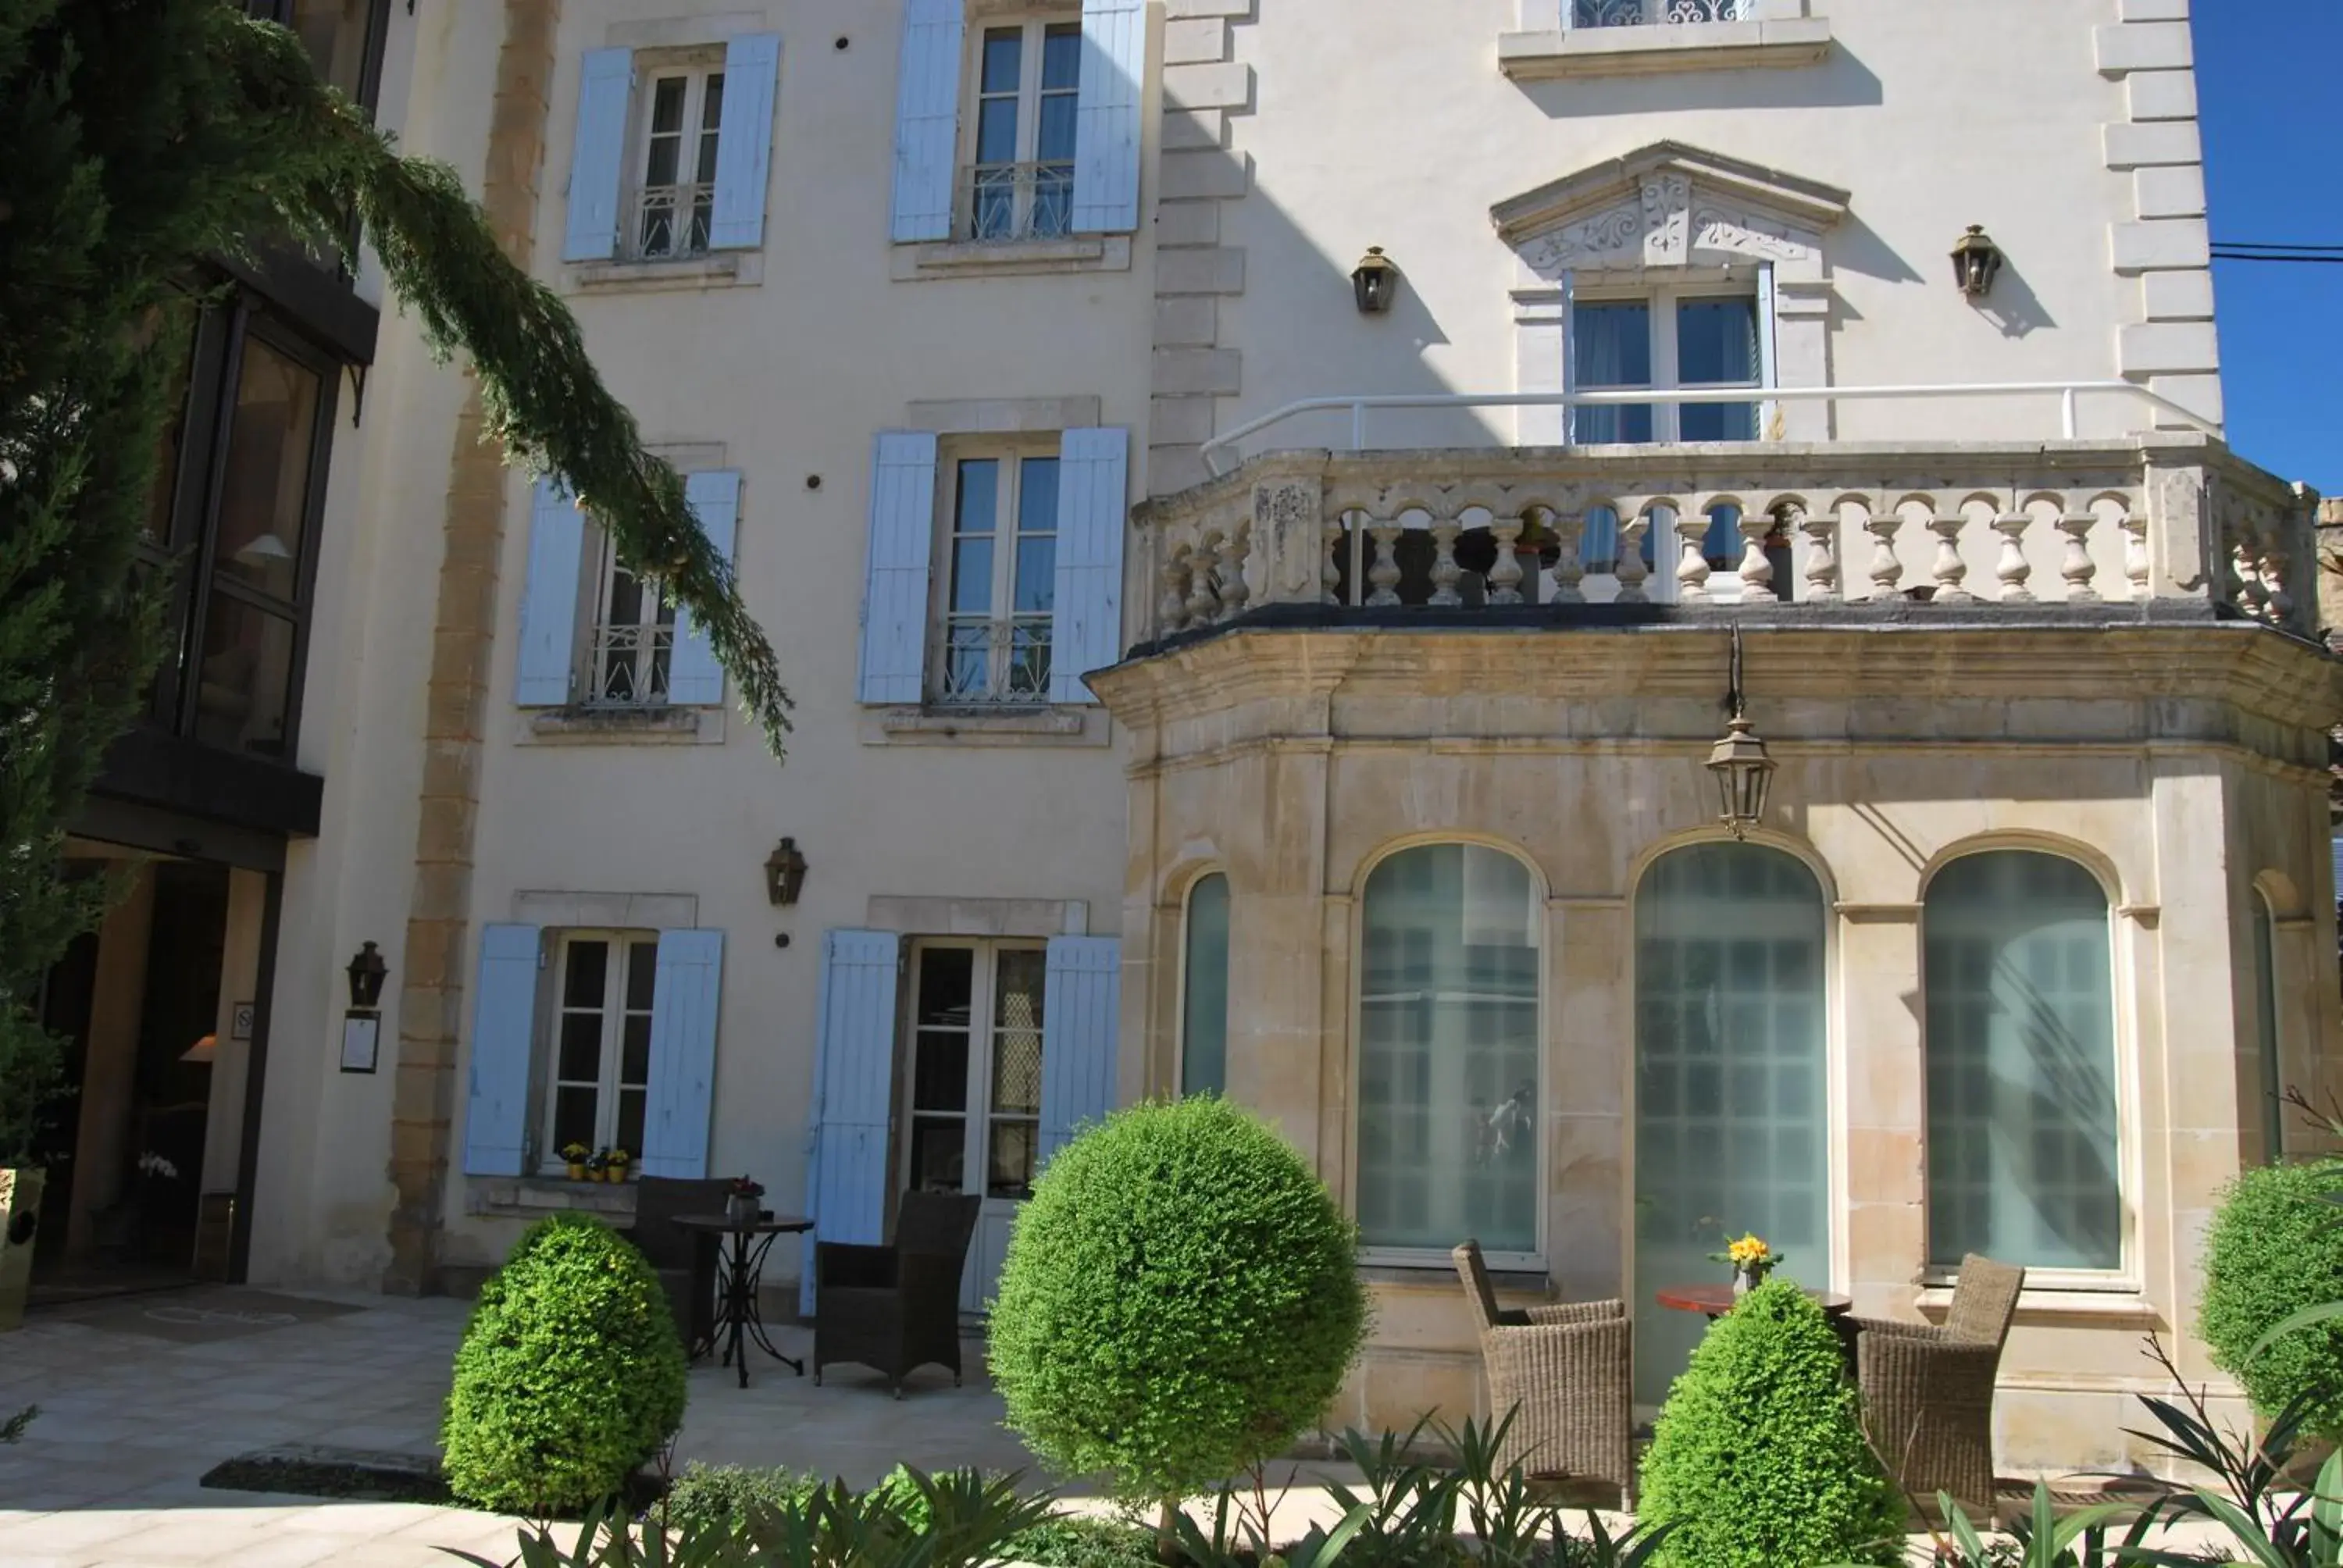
<point>570,1376</point>
<point>1181,1300</point>
<point>1082,1541</point>
<point>12,1429</point>
<point>1759,1458</point>
<point>728,1493</point>
<point>2275,1249</point>
<point>2043,1539</point>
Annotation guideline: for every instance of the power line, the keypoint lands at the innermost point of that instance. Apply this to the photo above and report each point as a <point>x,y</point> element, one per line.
<point>2276,245</point>
<point>2334,260</point>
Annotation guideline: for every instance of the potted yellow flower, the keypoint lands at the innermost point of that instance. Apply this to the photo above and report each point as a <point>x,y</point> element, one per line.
<point>1752,1262</point>
<point>574,1156</point>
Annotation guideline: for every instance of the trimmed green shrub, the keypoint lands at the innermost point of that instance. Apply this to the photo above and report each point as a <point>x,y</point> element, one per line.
<point>1180,1299</point>
<point>707,1495</point>
<point>570,1376</point>
<point>2275,1246</point>
<point>1076,1541</point>
<point>1759,1458</point>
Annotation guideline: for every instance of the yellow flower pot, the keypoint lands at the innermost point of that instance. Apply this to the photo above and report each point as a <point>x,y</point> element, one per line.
<point>577,1171</point>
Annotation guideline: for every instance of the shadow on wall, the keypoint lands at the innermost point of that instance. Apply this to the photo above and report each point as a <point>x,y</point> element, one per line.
<point>2013,308</point>
<point>1841,82</point>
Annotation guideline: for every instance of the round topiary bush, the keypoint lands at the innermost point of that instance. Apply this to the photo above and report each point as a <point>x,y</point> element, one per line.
<point>570,1374</point>
<point>1180,1299</point>
<point>1759,1460</point>
<point>2275,1246</point>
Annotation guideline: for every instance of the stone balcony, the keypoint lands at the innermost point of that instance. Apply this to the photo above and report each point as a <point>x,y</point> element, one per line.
<point>2164,527</point>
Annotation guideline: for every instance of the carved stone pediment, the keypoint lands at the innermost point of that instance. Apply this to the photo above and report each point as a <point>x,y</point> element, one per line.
<point>1671,206</point>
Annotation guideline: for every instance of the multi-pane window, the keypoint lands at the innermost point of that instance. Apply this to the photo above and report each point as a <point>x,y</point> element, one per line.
<point>1000,579</point>
<point>634,636</point>
<point>2022,1146</point>
<point>1448,1053</point>
<point>975,1080</point>
<point>1642,13</point>
<point>683,112</point>
<point>1204,998</point>
<point>344,38</point>
<point>1020,183</point>
<point>1666,340</point>
<point>1731,1107</point>
<point>601,1042</point>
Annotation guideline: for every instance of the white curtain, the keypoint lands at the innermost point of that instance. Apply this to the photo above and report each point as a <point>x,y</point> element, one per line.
<point>1611,346</point>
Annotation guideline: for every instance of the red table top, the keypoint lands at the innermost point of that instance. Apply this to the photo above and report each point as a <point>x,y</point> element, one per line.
<point>1717,1300</point>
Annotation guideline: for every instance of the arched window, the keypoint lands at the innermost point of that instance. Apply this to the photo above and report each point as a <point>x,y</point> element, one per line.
<point>1448,1053</point>
<point>1731,1129</point>
<point>1204,1000</point>
<point>2273,1081</point>
<point>2022,1160</point>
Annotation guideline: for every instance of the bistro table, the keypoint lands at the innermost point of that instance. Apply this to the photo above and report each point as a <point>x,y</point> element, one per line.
<point>1716,1301</point>
<point>742,1247</point>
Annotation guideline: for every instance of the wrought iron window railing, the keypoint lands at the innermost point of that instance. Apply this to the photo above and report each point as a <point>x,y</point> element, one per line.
<point>630,665</point>
<point>1019,201</point>
<point>671,222</point>
<point>1642,13</point>
<point>995,663</point>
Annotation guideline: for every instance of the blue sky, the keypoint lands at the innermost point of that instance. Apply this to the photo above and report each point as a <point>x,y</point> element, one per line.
<point>2267,72</point>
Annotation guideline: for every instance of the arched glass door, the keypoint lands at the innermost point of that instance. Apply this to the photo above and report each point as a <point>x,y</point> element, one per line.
<point>1731,1108</point>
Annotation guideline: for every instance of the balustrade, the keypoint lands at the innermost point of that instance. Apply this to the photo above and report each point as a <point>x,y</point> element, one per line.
<point>1963,530</point>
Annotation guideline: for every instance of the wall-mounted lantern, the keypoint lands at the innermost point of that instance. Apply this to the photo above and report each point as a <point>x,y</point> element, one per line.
<point>785,870</point>
<point>366,973</point>
<point>1976,262</point>
<point>1739,762</point>
<point>1375,282</point>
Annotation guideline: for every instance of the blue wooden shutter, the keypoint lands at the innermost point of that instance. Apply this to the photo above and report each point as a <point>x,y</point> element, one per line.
<point>895,585</point>
<point>744,141</point>
<point>927,119</point>
<point>1768,372</point>
<point>693,676</point>
<point>503,1028</point>
<point>1081,1016</point>
<point>854,1089</point>
<point>684,1000</point>
<point>604,80</point>
<point>549,600</point>
<point>1107,119</point>
<point>1086,627</point>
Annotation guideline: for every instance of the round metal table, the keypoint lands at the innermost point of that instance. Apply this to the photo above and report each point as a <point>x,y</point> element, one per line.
<point>1715,1300</point>
<point>742,1247</point>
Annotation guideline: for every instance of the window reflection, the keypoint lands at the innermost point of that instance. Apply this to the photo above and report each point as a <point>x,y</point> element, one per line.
<point>244,678</point>
<point>334,33</point>
<point>264,495</point>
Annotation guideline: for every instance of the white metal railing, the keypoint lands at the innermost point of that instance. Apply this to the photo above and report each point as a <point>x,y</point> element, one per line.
<point>630,664</point>
<point>1006,202</point>
<point>671,222</point>
<point>993,663</point>
<point>2068,393</point>
<point>1637,13</point>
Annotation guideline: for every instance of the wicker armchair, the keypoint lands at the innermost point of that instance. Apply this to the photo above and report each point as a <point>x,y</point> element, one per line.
<point>896,1308</point>
<point>684,1261</point>
<point>1567,1374</point>
<point>1928,1392</point>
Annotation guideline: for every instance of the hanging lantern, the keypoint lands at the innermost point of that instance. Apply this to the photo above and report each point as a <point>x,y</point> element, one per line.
<point>1376,281</point>
<point>785,871</point>
<point>1976,262</point>
<point>366,973</point>
<point>1739,762</point>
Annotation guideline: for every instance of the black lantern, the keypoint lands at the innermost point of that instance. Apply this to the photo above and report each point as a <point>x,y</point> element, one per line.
<point>1376,281</point>
<point>366,973</point>
<point>1976,262</point>
<point>1743,770</point>
<point>785,870</point>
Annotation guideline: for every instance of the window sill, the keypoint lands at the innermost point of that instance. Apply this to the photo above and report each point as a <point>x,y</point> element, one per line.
<point>623,726</point>
<point>1070,725</point>
<point>2116,1301</point>
<point>1531,1283</point>
<point>534,1197</point>
<point>721,269</point>
<point>1651,50</point>
<point>969,258</point>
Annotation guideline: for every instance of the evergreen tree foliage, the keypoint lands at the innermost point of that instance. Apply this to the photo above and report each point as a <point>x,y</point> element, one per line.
<point>139,137</point>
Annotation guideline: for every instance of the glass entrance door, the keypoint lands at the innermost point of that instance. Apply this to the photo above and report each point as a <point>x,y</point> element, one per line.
<point>1731,1135</point>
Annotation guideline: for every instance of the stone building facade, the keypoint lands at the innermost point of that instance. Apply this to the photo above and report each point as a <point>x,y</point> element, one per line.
<point>1203,682</point>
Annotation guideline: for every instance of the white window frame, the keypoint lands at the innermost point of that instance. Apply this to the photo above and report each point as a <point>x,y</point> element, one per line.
<point>696,68</point>
<point>614,1013</point>
<point>1001,616</point>
<point>605,637</point>
<point>977,1116</point>
<point>1663,299</point>
<point>1022,175</point>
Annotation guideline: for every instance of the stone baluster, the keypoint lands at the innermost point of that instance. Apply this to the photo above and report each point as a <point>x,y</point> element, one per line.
<point>1384,574</point>
<point>2013,569</point>
<point>1505,573</point>
<point>1334,540</point>
<point>1233,590</point>
<point>2136,560</point>
<point>1632,571</point>
<point>1949,569</point>
<point>1691,562</point>
<point>1172,610</point>
<point>1886,571</point>
<point>2275,569</point>
<point>1203,593</point>
<point>2251,572</point>
<point>2078,568</point>
<point>1570,565</point>
<point>1821,529</point>
<point>1444,569</point>
<point>1757,571</point>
